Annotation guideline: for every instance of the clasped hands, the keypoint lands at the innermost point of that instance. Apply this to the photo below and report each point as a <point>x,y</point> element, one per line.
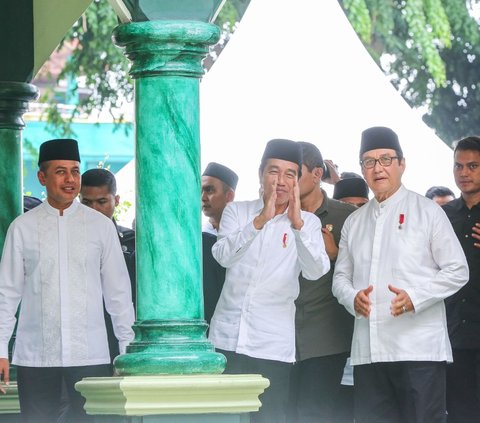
<point>401,302</point>
<point>270,209</point>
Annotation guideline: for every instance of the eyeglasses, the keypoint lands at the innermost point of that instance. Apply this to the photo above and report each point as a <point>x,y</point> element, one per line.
<point>385,161</point>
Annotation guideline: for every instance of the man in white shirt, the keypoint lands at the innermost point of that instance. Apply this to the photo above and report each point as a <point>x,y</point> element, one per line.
<point>264,245</point>
<point>61,260</point>
<point>398,260</point>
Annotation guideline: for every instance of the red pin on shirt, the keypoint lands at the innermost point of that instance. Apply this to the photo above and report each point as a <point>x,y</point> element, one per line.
<point>401,220</point>
<point>284,241</point>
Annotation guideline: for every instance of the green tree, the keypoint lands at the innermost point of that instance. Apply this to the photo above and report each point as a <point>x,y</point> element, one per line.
<point>430,49</point>
<point>101,67</point>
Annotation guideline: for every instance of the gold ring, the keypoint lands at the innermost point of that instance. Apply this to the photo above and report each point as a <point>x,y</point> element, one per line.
<point>404,308</point>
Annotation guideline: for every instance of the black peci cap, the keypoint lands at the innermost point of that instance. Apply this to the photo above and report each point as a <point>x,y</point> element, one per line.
<point>59,149</point>
<point>379,137</point>
<point>219,171</point>
<point>288,150</point>
<point>352,187</point>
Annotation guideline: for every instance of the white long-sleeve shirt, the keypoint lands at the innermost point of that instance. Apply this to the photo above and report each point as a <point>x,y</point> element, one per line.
<point>255,314</point>
<point>59,267</point>
<point>408,242</point>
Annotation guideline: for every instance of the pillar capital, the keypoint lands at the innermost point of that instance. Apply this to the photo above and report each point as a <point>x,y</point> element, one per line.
<point>166,47</point>
<point>14,98</point>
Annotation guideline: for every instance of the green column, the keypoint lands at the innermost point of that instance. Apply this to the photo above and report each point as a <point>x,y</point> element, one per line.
<point>14,98</point>
<point>170,331</point>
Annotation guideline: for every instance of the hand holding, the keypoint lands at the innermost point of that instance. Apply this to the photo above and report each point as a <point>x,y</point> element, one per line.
<point>362,303</point>
<point>401,303</point>
<point>333,170</point>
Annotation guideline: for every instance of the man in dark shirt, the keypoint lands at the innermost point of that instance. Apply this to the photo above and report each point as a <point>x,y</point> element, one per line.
<point>323,328</point>
<point>218,189</point>
<point>463,308</point>
<point>99,191</point>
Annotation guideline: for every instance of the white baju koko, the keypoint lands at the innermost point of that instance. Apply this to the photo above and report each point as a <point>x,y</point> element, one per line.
<point>255,314</point>
<point>59,267</point>
<point>408,242</point>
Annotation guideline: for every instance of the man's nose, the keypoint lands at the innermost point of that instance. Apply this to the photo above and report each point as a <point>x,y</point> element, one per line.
<point>204,196</point>
<point>377,167</point>
<point>69,176</point>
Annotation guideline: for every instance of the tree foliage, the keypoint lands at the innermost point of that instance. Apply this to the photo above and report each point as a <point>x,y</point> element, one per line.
<point>430,49</point>
<point>97,71</point>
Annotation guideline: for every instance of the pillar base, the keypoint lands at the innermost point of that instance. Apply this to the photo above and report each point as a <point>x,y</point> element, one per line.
<point>173,347</point>
<point>179,397</point>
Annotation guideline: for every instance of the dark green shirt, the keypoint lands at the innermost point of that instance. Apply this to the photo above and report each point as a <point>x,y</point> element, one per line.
<point>322,326</point>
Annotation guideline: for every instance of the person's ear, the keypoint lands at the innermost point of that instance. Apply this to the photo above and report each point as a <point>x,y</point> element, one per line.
<point>41,177</point>
<point>230,195</point>
<point>117,200</point>
<point>317,173</point>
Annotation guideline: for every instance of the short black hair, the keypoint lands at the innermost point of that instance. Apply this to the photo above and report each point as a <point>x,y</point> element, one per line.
<point>100,178</point>
<point>438,191</point>
<point>468,143</point>
<point>312,157</point>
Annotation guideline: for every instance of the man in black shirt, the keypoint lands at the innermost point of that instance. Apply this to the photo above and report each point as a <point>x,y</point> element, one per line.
<point>99,191</point>
<point>463,308</point>
<point>323,328</point>
<point>218,189</point>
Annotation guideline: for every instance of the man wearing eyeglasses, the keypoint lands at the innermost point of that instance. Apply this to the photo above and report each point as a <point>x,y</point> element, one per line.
<point>398,260</point>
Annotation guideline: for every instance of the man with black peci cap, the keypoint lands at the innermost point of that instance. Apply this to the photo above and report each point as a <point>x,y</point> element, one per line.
<point>61,260</point>
<point>218,189</point>
<point>352,191</point>
<point>264,245</point>
<point>398,260</point>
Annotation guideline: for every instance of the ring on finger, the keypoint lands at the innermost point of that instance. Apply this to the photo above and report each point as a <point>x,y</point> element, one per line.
<point>404,309</point>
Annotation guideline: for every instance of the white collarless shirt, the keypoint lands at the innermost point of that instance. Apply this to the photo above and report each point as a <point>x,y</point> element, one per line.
<point>255,314</point>
<point>408,242</point>
<point>60,268</point>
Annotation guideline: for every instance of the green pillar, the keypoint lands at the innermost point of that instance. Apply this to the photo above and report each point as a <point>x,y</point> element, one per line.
<point>14,98</point>
<point>170,331</point>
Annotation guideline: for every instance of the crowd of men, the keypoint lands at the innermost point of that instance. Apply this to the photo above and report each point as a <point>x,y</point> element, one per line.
<point>355,309</point>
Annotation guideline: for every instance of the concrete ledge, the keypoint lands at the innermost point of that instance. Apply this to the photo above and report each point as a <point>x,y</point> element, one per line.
<point>172,394</point>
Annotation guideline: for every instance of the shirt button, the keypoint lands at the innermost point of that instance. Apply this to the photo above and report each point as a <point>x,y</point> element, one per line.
<point>464,321</point>
<point>464,300</point>
<point>466,236</point>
